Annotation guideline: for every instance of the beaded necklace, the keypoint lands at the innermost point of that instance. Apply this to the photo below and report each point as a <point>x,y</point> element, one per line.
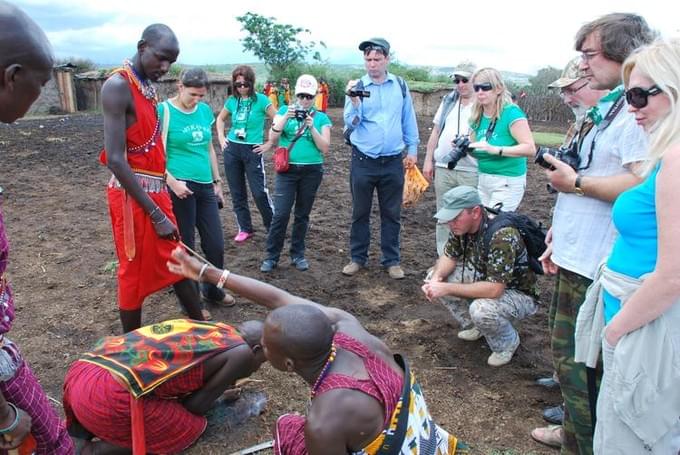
<point>144,86</point>
<point>149,92</point>
<point>324,371</point>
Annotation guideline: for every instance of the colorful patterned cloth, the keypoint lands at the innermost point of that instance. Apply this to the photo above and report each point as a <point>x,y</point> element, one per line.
<point>147,357</point>
<point>142,255</point>
<point>18,383</point>
<point>386,386</point>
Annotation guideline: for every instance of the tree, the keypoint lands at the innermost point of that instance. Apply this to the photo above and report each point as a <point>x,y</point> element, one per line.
<point>277,45</point>
<point>545,76</point>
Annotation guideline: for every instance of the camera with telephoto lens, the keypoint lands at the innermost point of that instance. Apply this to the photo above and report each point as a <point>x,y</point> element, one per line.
<point>461,147</point>
<point>301,114</point>
<point>566,154</point>
<point>240,134</point>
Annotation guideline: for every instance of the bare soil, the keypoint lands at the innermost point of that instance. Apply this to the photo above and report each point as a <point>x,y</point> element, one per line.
<point>60,268</point>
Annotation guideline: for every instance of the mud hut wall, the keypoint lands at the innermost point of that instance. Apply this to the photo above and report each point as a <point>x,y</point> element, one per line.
<point>49,101</point>
<point>88,90</point>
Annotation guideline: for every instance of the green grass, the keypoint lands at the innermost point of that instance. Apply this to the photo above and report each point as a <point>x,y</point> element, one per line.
<point>548,139</point>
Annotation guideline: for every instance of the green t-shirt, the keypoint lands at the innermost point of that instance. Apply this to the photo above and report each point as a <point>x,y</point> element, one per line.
<point>305,150</point>
<point>189,138</point>
<point>247,117</point>
<point>509,166</point>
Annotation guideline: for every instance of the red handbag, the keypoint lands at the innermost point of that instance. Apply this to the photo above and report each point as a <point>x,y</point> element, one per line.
<point>281,155</point>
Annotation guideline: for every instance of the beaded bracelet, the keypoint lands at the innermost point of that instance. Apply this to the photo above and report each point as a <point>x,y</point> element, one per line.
<point>223,279</point>
<point>15,423</point>
<point>200,274</point>
<point>153,211</point>
<point>161,220</point>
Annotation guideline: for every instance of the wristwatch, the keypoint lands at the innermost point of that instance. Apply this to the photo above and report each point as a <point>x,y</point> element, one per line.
<point>577,187</point>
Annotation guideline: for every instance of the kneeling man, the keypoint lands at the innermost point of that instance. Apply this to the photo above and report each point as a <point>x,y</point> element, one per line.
<point>486,283</point>
<point>148,389</point>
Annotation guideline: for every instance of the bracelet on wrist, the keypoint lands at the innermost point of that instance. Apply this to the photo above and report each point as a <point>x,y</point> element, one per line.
<point>223,279</point>
<point>151,213</point>
<point>14,423</point>
<point>200,274</point>
<point>275,130</point>
<point>162,220</point>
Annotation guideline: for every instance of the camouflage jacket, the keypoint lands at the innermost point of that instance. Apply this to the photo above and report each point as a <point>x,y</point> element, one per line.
<point>506,261</point>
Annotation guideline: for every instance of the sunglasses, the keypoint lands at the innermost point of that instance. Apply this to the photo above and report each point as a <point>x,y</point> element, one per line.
<point>458,80</point>
<point>305,96</point>
<point>242,84</point>
<point>485,87</point>
<point>639,97</point>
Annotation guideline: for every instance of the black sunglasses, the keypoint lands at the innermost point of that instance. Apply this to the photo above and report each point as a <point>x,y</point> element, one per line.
<point>639,97</point>
<point>305,96</point>
<point>241,84</point>
<point>458,80</point>
<point>485,87</point>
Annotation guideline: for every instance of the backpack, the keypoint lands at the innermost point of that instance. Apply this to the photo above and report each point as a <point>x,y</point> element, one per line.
<point>347,131</point>
<point>532,233</point>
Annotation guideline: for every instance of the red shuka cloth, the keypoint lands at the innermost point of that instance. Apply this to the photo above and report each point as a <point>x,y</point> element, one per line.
<point>385,385</point>
<point>147,272</point>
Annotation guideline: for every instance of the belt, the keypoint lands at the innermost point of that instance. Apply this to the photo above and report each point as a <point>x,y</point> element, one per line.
<point>382,157</point>
<point>149,183</point>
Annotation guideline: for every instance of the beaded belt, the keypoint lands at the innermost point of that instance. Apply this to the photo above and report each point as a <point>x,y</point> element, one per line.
<point>149,183</point>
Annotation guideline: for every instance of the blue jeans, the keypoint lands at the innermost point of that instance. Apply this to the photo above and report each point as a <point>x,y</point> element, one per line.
<point>240,162</point>
<point>297,186</point>
<point>386,174</point>
<point>199,211</point>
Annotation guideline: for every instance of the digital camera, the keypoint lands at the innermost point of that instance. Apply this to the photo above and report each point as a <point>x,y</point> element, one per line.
<point>461,147</point>
<point>359,93</point>
<point>566,154</point>
<point>301,114</point>
<point>240,134</point>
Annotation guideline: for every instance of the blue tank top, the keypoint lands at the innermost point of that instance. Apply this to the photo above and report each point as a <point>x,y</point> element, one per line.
<point>634,251</point>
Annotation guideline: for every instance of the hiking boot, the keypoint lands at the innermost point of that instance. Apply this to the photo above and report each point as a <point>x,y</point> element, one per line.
<point>472,334</point>
<point>242,236</point>
<point>498,359</point>
<point>395,272</point>
<point>267,266</point>
<point>301,264</point>
<point>351,268</point>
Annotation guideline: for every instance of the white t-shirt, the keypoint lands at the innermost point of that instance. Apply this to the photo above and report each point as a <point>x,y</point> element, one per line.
<point>454,125</point>
<point>583,232</point>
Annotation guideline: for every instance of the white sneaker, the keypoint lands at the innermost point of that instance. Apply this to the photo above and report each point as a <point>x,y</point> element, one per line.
<point>498,359</point>
<point>472,334</point>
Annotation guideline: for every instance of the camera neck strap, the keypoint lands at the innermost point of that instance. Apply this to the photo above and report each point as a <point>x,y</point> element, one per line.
<point>489,130</point>
<point>603,125</point>
<point>300,131</point>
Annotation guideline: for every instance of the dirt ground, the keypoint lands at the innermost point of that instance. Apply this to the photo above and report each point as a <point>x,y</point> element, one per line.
<point>60,268</point>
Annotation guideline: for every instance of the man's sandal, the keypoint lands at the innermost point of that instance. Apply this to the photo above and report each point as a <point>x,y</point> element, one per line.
<point>227,301</point>
<point>550,435</point>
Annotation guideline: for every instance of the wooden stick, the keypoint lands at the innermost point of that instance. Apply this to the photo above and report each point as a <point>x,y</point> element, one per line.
<point>445,368</point>
<point>196,254</point>
<point>254,449</point>
<point>246,381</point>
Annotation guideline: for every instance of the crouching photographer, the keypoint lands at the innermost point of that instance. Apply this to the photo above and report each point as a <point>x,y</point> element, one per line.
<point>445,161</point>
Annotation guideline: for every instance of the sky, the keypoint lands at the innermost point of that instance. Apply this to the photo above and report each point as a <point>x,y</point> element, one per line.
<point>518,35</point>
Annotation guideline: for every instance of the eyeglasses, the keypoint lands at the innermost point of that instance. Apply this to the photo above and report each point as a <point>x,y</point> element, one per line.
<point>485,87</point>
<point>639,97</point>
<point>589,55</point>
<point>305,96</point>
<point>458,80</point>
<point>242,84</point>
<point>571,91</point>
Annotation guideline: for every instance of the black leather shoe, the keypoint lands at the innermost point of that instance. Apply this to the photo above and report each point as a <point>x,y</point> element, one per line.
<point>548,382</point>
<point>554,415</point>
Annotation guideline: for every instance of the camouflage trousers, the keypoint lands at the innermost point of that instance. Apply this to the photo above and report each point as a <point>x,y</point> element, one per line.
<point>568,295</point>
<point>493,317</point>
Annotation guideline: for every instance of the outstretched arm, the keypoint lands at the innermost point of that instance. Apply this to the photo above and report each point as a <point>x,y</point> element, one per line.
<point>261,293</point>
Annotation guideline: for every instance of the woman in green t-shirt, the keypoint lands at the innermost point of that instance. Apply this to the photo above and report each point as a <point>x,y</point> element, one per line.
<point>307,134</point>
<point>243,149</point>
<point>192,172</point>
<point>502,141</point>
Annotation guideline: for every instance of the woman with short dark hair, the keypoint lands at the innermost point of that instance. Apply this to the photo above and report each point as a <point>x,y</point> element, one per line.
<point>243,148</point>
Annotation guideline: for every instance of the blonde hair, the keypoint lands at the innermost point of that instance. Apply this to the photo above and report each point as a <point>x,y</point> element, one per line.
<point>660,62</point>
<point>494,77</point>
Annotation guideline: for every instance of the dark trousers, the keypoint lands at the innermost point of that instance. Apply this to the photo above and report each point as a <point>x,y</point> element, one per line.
<point>296,187</point>
<point>386,174</point>
<point>199,211</point>
<point>240,162</point>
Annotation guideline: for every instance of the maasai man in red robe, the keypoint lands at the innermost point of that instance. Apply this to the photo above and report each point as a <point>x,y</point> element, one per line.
<point>363,398</point>
<point>148,389</point>
<point>144,227</point>
<point>26,415</point>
